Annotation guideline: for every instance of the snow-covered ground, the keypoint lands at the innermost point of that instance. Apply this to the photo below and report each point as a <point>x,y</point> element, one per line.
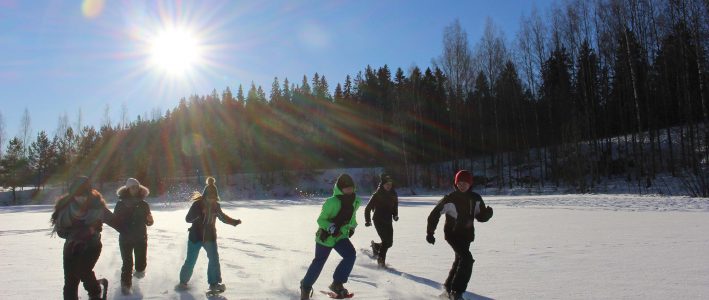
<point>537,247</point>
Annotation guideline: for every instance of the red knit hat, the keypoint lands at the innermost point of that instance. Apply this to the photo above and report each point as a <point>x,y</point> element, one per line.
<point>465,176</point>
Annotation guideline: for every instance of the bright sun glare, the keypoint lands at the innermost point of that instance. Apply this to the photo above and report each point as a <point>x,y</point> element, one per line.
<point>175,51</point>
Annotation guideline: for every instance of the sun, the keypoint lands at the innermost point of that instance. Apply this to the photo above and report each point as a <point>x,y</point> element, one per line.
<point>175,51</point>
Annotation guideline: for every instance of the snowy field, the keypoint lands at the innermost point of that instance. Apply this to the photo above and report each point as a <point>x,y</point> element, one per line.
<point>539,247</point>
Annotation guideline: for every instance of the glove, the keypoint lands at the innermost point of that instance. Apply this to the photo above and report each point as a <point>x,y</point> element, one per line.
<point>237,222</point>
<point>396,218</point>
<point>367,224</point>
<point>334,230</point>
<point>430,239</point>
<point>351,232</point>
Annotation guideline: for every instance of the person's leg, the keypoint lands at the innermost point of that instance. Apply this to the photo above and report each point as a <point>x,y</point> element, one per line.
<point>386,233</point>
<point>345,249</point>
<point>448,284</point>
<point>86,270</point>
<point>321,255</point>
<point>71,279</point>
<point>141,255</point>
<point>214,272</point>
<point>465,266</point>
<point>190,260</point>
<point>126,248</point>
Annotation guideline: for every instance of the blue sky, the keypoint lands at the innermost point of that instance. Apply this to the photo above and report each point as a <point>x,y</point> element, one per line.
<point>57,57</point>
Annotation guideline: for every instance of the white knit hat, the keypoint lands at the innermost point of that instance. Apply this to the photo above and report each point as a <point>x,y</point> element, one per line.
<point>132,182</point>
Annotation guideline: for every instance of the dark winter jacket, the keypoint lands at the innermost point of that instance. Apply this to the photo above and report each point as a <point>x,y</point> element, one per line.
<point>203,218</point>
<point>385,205</point>
<point>81,223</point>
<point>460,209</point>
<point>132,214</point>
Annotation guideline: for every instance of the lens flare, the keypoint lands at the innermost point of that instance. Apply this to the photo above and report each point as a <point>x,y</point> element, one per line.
<point>92,8</point>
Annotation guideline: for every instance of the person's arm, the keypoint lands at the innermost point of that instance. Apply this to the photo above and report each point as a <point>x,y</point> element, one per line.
<point>110,218</point>
<point>433,219</point>
<point>148,215</point>
<point>395,214</point>
<point>225,218</point>
<point>484,213</point>
<point>194,214</point>
<point>371,205</point>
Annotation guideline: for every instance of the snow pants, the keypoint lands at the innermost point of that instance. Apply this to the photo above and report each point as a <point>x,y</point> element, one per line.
<point>345,249</point>
<point>462,268</point>
<point>214,272</point>
<point>385,231</point>
<point>79,261</point>
<point>128,247</point>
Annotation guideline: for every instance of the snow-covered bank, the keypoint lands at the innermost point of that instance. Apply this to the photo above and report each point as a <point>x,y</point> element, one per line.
<point>596,246</point>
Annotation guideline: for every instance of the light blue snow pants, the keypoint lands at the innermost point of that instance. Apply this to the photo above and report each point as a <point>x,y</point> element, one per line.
<point>214,273</point>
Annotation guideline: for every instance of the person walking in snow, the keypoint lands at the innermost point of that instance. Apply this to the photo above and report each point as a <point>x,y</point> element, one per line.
<point>385,204</point>
<point>460,207</point>
<point>78,218</point>
<point>132,214</point>
<point>203,213</point>
<point>336,224</point>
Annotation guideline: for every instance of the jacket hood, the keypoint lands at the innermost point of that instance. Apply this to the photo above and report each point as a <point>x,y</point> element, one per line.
<point>123,192</point>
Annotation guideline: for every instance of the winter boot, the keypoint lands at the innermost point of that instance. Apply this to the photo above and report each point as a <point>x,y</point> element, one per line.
<point>381,262</point>
<point>217,287</point>
<point>182,286</point>
<point>455,295</point>
<point>375,248</point>
<point>338,289</point>
<point>305,293</point>
<point>139,274</point>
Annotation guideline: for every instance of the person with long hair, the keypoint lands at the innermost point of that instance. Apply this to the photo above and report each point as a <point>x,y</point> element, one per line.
<point>78,218</point>
<point>203,213</point>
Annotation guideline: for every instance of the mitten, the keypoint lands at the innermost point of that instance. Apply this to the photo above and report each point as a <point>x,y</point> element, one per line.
<point>430,239</point>
<point>396,218</point>
<point>367,224</point>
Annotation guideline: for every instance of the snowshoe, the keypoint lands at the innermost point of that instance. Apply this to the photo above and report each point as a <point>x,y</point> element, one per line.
<point>336,296</point>
<point>339,291</point>
<point>375,249</point>
<point>215,289</point>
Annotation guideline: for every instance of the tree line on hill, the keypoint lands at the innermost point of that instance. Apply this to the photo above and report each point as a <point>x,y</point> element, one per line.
<point>596,89</point>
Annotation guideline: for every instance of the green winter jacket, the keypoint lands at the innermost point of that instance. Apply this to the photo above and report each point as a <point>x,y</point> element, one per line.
<point>329,210</point>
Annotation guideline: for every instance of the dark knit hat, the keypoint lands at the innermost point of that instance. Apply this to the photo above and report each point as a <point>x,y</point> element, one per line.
<point>465,176</point>
<point>384,178</point>
<point>80,186</point>
<point>344,181</point>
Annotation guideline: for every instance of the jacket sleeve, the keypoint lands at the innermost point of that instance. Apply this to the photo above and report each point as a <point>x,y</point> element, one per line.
<point>435,216</point>
<point>485,212</point>
<point>148,215</point>
<point>326,214</point>
<point>371,205</point>
<point>224,217</point>
<point>118,213</point>
<point>110,218</point>
<point>353,220</point>
<point>396,205</point>
<point>193,214</point>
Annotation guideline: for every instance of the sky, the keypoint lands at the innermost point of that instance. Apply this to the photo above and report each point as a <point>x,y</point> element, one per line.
<point>61,57</point>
